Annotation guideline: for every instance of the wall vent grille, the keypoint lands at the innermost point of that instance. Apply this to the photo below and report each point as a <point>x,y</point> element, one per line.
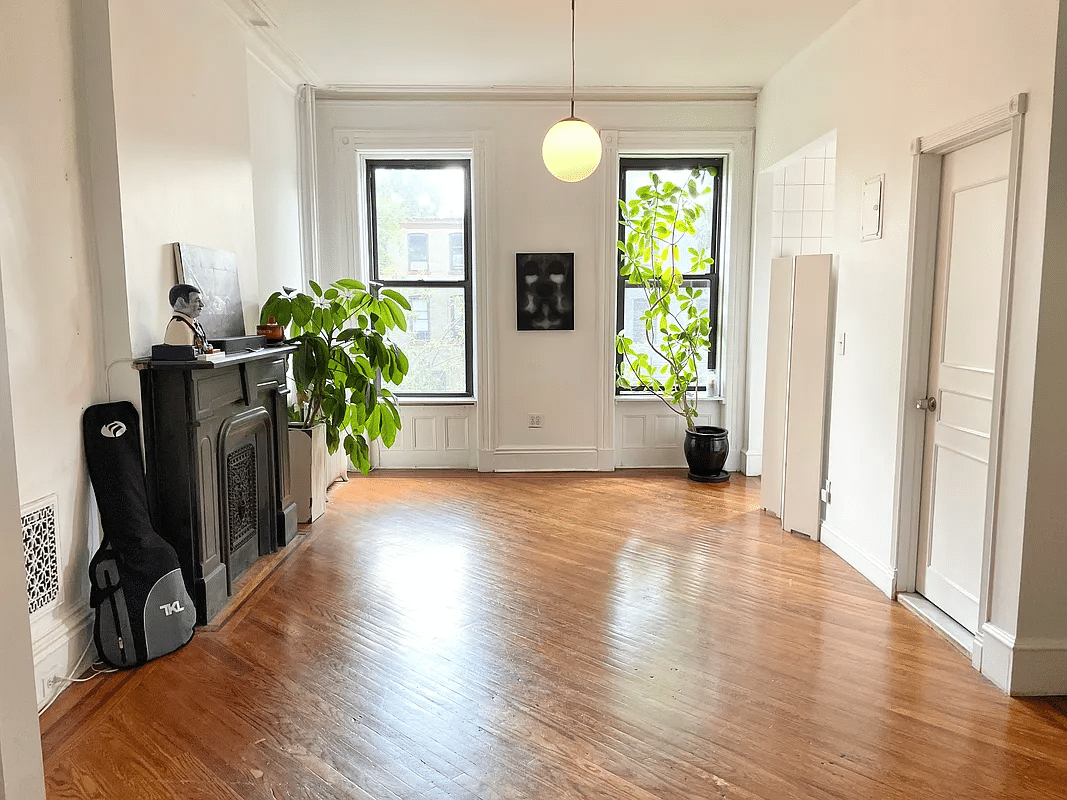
<point>242,497</point>
<point>42,552</point>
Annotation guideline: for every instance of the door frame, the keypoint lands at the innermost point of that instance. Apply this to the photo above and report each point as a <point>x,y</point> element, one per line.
<point>928,153</point>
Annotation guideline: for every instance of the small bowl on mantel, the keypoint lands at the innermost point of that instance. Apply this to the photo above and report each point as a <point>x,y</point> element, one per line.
<point>274,333</point>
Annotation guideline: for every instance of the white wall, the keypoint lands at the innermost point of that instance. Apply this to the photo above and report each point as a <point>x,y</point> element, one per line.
<point>1040,651</point>
<point>556,374</point>
<point>151,100</point>
<point>275,180</point>
<point>888,72</point>
<point>793,215</point>
<point>40,228</point>
<point>21,762</point>
<point>182,144</point>
<point>52,321</point>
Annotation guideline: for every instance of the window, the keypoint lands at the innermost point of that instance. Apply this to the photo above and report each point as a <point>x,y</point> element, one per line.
<point>457,256</point>
<point>634,173</point>
<point>419,317</point>
<point>419,218</point>
<point>418,252</point>
<point>455,310</point>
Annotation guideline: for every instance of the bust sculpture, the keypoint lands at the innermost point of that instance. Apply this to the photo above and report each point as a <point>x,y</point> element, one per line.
<point>183,328</point>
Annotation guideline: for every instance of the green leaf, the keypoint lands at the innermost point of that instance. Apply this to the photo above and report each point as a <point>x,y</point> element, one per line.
<point>392,314</point>
<point>315,288</point>
<point>302,306</point>
<point>374,423</point>
<point>387,431</point>
<point>397,297</point>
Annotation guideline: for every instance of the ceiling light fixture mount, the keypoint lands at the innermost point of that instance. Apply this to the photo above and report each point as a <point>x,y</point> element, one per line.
<point>571,149</point>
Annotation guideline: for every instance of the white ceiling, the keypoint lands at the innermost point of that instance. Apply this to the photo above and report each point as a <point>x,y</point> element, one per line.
<point>525,44</point>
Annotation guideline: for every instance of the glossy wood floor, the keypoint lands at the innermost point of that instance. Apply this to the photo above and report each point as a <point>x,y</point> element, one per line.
<point>634,635</point>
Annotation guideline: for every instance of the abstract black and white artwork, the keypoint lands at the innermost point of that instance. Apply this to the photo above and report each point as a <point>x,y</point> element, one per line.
<point>544,284</point>
<point>214,273</point>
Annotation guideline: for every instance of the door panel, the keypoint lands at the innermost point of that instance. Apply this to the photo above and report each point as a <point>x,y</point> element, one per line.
<point>970,257</point>
<point>973,301</point>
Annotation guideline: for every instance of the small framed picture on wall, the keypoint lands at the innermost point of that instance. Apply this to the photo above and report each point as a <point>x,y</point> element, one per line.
<point>544,288</point>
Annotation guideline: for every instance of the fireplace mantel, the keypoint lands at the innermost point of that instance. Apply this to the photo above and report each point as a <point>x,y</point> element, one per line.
<point>217,464</point>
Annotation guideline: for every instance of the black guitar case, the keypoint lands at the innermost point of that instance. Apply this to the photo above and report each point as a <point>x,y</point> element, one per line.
<point>143,610</point>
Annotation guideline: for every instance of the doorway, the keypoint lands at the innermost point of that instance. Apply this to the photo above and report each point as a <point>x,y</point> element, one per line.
<point>959,284</point>
<point>961,376</point>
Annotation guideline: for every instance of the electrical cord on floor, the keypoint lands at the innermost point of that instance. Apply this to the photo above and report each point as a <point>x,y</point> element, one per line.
<point>96,673</point>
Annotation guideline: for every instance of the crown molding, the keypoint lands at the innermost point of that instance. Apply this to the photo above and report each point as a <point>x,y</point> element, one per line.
<point>534,93</point>
<point>264,42</point>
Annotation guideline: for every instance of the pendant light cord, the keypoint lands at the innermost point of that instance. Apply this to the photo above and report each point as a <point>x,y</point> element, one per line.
<point>572,58</point>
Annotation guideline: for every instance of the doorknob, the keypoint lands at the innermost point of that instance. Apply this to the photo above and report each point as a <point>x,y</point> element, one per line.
<point>926,404</point>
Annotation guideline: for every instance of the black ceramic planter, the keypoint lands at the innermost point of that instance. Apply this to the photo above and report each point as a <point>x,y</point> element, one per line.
<point>706,449</point>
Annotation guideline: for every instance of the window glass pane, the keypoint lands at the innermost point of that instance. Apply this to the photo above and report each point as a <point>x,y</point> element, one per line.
<point>419,218</point>
<point>435,341</point>
<point>418,252</point>
<point>457,258</point>
<point>419,318</point>
<point>635,304</point>
<point>635,178</point>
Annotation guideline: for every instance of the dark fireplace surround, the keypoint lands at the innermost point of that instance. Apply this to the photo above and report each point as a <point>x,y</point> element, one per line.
<point>217,465</point>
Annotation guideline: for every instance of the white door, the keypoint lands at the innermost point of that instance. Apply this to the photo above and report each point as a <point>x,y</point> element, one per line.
<point>963,345</point>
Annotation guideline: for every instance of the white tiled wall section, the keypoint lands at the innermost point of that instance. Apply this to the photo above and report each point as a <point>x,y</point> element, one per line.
<point>803,211</point>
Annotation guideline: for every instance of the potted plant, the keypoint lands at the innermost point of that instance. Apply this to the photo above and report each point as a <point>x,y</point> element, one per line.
<point>677,325</point>
<point>343,358</point>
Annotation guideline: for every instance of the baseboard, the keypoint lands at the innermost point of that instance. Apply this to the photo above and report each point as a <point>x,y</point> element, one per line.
<point>606,460</point>
<point>995,655</point>
<point>59,651</point>
<point>652,458</point>
<point>426,459</point>
<point>1024,667</point>
<point>881,575</point>
<point>545,459</point>
<point>751,462</point>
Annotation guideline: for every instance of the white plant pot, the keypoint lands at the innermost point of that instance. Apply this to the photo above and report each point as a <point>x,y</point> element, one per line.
<point>307,471</point>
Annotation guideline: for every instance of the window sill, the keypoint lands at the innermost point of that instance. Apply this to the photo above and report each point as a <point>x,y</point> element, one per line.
<point>635,397</point>
<point>435,401</point>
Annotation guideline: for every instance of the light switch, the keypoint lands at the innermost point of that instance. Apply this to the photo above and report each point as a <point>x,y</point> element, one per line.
<point>841,343</point>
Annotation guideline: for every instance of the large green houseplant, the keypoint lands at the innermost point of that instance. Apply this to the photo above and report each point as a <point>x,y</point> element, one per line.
<point>343,358</point>
<point>659,221</point>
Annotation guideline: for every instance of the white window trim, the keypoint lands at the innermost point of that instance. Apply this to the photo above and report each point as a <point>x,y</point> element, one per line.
<point>737,148</point>
<point>353,147</point>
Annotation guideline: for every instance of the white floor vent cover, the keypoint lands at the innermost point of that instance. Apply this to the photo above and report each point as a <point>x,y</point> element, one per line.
<point>42,557</point>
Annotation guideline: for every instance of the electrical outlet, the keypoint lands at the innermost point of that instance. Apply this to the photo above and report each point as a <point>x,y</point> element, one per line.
<point>49,687</point>
<point>536,421</point>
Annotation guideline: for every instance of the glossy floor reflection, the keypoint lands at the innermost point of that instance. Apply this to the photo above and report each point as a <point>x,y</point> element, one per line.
<point>632,635</point>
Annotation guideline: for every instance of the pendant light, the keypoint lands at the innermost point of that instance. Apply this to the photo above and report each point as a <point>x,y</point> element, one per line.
<point>571,149</point>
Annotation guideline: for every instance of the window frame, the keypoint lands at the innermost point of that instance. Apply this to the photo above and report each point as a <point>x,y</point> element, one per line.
<point>464,280</point>
<point>651,163</point>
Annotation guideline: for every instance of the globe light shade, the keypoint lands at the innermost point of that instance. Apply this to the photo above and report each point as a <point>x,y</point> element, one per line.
<point>571,149</point>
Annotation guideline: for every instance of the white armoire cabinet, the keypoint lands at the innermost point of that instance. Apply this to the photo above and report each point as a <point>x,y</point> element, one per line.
<point>794,423</point>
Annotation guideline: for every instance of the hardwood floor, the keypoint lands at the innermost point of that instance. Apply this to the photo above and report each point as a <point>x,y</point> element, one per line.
<point>629,635</point>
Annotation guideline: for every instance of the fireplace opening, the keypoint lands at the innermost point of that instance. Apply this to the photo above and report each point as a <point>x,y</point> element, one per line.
<point>247,493</point>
